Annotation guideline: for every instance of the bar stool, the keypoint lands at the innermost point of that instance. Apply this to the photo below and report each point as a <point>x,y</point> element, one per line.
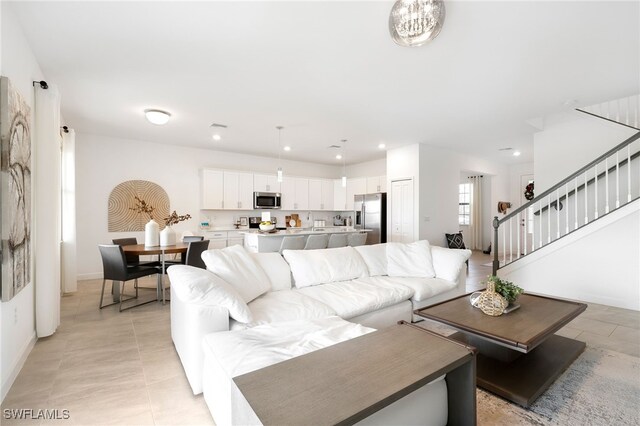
<point>292,243</point>
<point>359,239</point>
<point>337,240</point>
<point>315,242</point>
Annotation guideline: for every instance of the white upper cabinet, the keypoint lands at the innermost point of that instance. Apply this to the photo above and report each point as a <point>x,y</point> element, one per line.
<point>339,196</point>
<point>355,186</point>
<point>238,191</point>
<point>315,194</point>
<point>327,195</point>
<point>295,193</point>
<point>266,183</point>
<point>376,184</point>
<point>211,189</point>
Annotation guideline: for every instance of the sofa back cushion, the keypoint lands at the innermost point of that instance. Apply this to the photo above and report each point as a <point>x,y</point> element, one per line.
<point>199,286</point>
<point>236,266</point>
<point>410,260</point>
<point>276,268</point>
<point>449,262</point>
<point>313,267</point>
<point>375,257</point>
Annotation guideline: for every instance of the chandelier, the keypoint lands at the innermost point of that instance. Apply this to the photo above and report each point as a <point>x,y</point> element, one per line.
<point>415,22</point>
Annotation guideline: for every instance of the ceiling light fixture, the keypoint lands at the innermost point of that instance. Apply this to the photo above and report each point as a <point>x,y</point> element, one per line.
<point>339,157</point>
<point>287,148</point>
<point>279,171</point>
<point>344,163</point>
<point>157,116</point>
<point>381,146</point>
<point>516,153</point>
<point>218,129</point>
<point>412,23</point>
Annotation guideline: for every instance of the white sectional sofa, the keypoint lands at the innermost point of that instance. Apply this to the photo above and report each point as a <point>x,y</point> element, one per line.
<point>375,286</point>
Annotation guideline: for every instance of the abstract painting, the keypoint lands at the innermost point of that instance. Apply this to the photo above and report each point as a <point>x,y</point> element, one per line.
<point>15,190</point>
<point>123,218</point>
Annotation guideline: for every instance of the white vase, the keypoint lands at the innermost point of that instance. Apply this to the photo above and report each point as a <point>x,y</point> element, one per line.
<point>151,234</point>
<point>167,236</point>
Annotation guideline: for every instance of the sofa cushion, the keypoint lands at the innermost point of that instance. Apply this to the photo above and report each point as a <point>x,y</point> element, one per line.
<point>375,257</point>
<point>285,305</point>
<point>313,267</point>
<point>196,285</point>
<point>410,260</point>
<point>357,297</point>
<point>236,266</point>
<point>449,262</point>
<point>240,352</point>
<point>276,268</point>
<point>423,288</point>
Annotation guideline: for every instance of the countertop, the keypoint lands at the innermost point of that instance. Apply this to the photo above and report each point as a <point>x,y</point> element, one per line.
<point>306,231</point>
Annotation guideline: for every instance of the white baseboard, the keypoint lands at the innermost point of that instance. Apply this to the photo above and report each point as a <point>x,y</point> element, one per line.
<point>15,369</point>
<point>92,276</point>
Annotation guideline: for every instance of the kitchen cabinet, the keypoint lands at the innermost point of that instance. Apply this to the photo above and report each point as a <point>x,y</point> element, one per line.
<point>235,238</point>
<point>295,193</point>
<point>339,196</point>
<point>222,239</point>
<point>238,191</point>
<point>376,184</point>
<point>211,189</point>
<point>320,194</point>
<point>266,183</point>
<point>355,186</point>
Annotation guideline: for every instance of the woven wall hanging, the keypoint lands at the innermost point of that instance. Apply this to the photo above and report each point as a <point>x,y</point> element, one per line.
<point>121,218</point>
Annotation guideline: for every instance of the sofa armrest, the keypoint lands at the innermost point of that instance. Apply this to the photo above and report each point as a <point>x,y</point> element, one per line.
<point>190,322</point>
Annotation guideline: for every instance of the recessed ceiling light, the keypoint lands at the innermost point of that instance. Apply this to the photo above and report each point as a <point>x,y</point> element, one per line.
<point>516,153</point>
<point>156,116</point>
<point>216,137</point>
<point>287,148</point>
<point>339,157</point>
<point>381,146</point>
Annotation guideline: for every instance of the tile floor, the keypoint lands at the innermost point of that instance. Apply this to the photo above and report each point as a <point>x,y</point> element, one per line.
<point>108,367</point>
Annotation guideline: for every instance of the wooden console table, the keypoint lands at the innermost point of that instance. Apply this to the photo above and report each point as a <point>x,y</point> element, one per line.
<point>349,381</point>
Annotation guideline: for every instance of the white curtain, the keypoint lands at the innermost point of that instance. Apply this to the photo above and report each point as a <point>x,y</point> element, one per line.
<point>47,209</point>
<point>476,212</point>
<point>69,273</point>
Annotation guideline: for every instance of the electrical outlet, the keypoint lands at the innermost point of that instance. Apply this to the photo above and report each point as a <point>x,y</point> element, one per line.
<point>427,218</point>
<point>15,315</point>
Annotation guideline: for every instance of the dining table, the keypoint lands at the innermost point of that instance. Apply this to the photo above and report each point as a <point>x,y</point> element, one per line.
<point>161,252</point>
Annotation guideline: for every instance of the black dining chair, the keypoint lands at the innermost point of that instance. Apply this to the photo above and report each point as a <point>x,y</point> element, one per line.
<point>133,259</point>
<point>194,253</point>
<point>115,268</point>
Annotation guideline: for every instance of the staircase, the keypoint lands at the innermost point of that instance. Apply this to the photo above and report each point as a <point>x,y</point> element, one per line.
<point>596,195</point>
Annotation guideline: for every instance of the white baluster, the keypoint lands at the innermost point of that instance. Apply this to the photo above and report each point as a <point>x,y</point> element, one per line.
<point>518,230</point>
<point>627,122</point>
<point>557,214</point>
<point>548,218</point>
<point>618,111</point>
<point>504,245</point>
<point>575,196</point>
<point>510,241</point>
<point>629,173</point>
<point>606,181</point>
<point>540,222</point>
<point>595,197</point>
<point>617,181</point>
<point>586,204</point>
<point>525,229</point>
<point>566,209</point>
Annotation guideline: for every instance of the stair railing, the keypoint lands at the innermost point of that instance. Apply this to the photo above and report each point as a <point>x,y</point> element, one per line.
<point>605,184</point>
<point>625,111</point>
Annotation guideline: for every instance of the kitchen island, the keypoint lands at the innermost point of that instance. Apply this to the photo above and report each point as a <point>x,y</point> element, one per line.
<point>262,242</point>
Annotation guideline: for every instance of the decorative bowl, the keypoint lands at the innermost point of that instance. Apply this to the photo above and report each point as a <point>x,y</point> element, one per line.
<point>267,227</point>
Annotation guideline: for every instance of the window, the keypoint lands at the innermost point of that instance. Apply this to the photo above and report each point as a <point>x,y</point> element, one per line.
<point>464,204</point>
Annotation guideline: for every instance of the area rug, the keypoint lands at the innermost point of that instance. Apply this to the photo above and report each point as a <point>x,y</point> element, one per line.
<point>601,387</point>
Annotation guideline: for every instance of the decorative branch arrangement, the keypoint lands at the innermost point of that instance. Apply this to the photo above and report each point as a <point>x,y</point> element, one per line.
<point>141,206</point>
<point>174,219</point>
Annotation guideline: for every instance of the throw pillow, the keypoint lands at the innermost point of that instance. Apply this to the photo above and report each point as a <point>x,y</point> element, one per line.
<point>449,262</point>
<point>455,241</point>
<point>375,256</point>
<point>313,267</point>
<point>196,285</point>
<point>410,260</point>
<point>236,266</point>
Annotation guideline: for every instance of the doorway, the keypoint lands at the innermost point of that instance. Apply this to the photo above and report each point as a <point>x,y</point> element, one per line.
<point>402,213</point>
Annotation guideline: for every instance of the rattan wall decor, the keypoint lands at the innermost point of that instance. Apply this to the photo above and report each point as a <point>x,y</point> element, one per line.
<point>122,218</point>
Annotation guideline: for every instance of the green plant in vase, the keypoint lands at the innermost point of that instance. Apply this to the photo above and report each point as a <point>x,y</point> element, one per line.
<point>506,289</point>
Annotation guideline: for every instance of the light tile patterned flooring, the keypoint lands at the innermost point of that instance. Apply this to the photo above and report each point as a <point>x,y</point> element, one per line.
<point>108,367</point>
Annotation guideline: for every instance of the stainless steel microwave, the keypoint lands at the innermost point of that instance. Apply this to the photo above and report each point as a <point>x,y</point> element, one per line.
<point>267,200</point>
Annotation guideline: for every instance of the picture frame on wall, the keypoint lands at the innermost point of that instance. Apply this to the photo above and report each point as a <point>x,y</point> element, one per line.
<point>15,190</point>
<point>244,221</point>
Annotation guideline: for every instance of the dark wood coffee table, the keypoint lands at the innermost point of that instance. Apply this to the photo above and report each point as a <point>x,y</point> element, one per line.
<point>519,356</point>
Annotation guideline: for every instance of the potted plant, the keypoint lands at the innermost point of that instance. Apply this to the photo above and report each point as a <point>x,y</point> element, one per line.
<point>506,289</point>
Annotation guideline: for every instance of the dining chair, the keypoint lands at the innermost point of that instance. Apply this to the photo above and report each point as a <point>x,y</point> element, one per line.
<point>292,243</point>
<point>115,268</point>
<point>133,259</point>
<point>315,242</point>
<point>337,240</point>
<point>194,253</point>
<point>358,239</point>
<point>190,238</point>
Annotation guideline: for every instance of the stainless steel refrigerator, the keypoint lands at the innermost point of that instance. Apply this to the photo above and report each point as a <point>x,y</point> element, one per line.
<point>371,213</point>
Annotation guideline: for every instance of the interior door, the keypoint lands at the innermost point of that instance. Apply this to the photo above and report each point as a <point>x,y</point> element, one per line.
<point>526,220</point>
<point>402,211</point>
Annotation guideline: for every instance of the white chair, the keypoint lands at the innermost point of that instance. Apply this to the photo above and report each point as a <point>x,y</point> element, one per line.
<point>358,239</point>
<point>292,243</point>
<point>315,242</point>
<point>337,240</point>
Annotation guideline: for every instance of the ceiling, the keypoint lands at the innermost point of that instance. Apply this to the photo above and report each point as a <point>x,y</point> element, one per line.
<point>329,70</point>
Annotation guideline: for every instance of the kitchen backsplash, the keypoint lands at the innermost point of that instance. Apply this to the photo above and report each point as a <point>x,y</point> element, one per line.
<point>226,219</point>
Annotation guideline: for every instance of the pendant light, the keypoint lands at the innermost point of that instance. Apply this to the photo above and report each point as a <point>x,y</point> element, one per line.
<point>279,172</point>
<point>344,163</point>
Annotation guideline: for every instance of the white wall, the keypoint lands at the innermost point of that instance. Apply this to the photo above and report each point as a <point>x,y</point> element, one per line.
<point>18,325</point>
<point>368,168</point>
<point>104,162</point>
<point>565,146</point>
